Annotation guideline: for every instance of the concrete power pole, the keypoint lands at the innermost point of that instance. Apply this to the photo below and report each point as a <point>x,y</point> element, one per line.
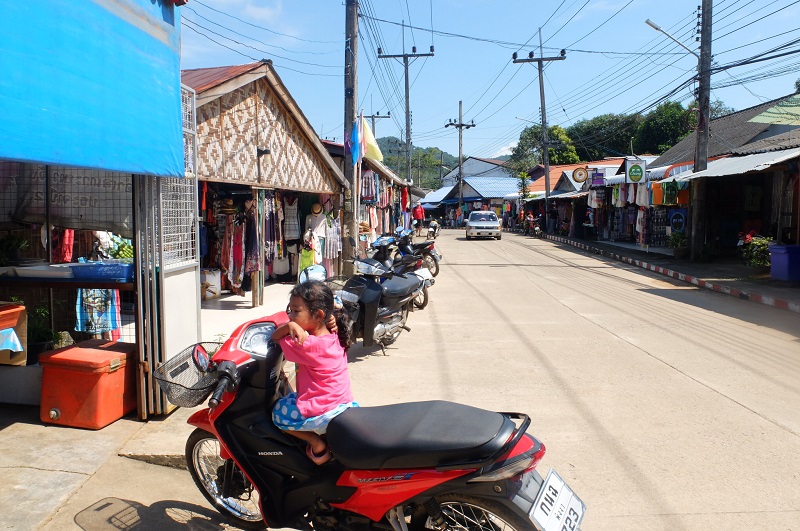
<point>350,112</point>
<point>545,139</point>
<point>406,57</point>
<point>460,125</point>
<point>698,190</point>
<point>374,117</point>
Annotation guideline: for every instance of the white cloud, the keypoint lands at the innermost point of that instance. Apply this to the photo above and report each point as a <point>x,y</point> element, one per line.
<point>505,150</point>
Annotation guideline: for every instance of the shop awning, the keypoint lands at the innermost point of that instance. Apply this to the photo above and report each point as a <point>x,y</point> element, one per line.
<point>739,165</point>
<point>93,85</point>
<point>454,200</point>
<point>435,197</point>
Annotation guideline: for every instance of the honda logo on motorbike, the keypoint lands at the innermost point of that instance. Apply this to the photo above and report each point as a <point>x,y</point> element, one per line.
<point>398,477</point>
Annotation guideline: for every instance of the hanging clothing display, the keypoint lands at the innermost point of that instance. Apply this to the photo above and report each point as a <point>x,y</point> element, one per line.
<point>291,227</point>
<point>251,240</point>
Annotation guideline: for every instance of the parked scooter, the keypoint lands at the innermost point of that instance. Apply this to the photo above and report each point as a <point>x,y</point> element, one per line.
<point>385,250</point>
<point>377,300</point>
<point>406,245</point>
<point>433,229</point>
<point>411,466</point>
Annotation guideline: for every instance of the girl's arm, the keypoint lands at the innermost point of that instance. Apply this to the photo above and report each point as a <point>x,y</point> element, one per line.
<point>290,328</point>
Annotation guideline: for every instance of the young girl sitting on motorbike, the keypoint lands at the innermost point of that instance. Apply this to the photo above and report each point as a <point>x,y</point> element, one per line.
<point>316,338</point>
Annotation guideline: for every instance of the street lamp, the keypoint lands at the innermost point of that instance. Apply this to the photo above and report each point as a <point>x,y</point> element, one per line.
<point>697,205</point>
<point>676,41</point>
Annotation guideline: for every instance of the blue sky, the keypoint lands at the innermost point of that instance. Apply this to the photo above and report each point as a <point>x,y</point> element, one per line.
<point>614,63</point>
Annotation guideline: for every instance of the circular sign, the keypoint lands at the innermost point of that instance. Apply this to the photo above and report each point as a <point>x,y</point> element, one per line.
<point>678,221</point>
<point>635,173</point>
<point>580,175</point>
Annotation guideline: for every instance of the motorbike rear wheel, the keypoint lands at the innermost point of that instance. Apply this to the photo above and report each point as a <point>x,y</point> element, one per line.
<point>470,513</point>
<point>430,262</point>
<point>421,300</point>
<point>206,467</point>
<point>388,340</point>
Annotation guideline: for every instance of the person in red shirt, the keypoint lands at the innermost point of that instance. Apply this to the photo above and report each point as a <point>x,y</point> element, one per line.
<point>418,214</point>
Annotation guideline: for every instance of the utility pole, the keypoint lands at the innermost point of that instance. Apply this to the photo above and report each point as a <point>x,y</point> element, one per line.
<point>373,117</point>
<point>406,57</point>
<point>545,139</point>
<point>350,102</point>
<point>460,125</point>
<point>441,167</point>
<point>701,147</point>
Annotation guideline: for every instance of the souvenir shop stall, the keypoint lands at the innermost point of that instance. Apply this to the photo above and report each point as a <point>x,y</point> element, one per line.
<point>644,213</point>
<point>244,229</point>
<point>384,202</point>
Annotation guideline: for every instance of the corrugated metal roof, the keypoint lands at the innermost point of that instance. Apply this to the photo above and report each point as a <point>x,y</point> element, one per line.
<point>786,140</point>
<point>201,79</point>
<point>786,112</point>
<point>490,187</point>
<point>740,165</point>
<point>727,133</point>
<point>437,195</point>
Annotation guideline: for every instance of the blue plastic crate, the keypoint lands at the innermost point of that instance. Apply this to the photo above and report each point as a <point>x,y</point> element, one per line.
<point>104,271</point>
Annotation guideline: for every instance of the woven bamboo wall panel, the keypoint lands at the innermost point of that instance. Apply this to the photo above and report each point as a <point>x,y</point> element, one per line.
<point>230,129</point>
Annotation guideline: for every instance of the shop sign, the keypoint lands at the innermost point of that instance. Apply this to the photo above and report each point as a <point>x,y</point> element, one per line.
<point>580,175</point>
<point>634,171</point>
<point>598,176</point>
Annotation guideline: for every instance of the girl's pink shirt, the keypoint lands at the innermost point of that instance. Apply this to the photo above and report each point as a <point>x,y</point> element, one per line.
<point>322,378</point>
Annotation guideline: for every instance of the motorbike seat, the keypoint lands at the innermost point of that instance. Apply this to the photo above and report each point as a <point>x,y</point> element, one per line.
<point>399,286</point>
<point>416,435</point>
<point>421,245</point>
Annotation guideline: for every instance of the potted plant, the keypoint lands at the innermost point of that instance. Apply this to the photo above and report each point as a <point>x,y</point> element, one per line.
<point>679,244</point>
<point>755,250</point>
<point>10,246</point>
<point>41,337</point>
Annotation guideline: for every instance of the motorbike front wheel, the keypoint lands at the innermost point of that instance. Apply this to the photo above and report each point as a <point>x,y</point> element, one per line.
<point>469,513</point>
<point>207,468</point>
<point>421,300</point>
<point>430,262</point>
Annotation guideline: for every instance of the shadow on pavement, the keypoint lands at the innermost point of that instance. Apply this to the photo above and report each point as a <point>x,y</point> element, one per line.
<point>113,514</point>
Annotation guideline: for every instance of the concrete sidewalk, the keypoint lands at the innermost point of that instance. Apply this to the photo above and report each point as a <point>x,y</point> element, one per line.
<point>730,277</point>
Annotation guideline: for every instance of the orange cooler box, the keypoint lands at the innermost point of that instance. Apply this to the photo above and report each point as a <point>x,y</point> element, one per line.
<point>88,385</point>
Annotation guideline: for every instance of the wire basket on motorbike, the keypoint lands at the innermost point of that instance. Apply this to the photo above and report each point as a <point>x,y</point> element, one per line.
<point>180,378</point>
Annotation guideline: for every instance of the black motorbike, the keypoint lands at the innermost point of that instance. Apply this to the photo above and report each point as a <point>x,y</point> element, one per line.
<point>377,299</point>
<point>426,250</point>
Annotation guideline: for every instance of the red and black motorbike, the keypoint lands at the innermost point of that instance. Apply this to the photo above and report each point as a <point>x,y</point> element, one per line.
<point>419,465</point>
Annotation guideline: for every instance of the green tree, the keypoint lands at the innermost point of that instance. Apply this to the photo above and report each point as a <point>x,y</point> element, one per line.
<point>603,136</point>
<point>797,86</point>
<point>662,128</point>
<point>524,181</point>
<point>528,151</point>
<point>717,109</point>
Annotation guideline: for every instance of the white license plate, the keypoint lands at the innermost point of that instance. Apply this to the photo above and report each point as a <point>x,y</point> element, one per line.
<point>557,508</point>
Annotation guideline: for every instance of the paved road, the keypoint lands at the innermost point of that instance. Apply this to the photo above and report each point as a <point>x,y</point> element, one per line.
<point>666,407</point>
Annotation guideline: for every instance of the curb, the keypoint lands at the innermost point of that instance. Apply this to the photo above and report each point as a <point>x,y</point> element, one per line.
<point>699,282</point>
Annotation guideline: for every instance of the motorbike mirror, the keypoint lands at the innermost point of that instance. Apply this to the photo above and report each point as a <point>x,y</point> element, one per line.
<point>201,358</point>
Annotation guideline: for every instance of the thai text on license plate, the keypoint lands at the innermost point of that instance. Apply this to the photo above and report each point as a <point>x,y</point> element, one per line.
<point>557,508</point>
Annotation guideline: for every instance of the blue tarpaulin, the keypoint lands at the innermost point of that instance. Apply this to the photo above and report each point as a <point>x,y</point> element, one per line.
<point>92,84</point>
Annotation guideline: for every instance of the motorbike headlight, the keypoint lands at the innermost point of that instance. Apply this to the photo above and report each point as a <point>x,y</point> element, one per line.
<point>365,268</point>
<point>257,338</point>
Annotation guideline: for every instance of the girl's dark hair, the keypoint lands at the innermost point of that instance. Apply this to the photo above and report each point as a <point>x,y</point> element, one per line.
<point>318,296</point>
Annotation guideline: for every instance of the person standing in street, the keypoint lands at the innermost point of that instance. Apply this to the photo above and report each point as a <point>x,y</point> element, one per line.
<point>418,214</point>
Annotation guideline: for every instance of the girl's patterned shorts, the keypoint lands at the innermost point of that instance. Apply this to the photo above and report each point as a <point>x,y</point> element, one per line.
<point>286,416</point>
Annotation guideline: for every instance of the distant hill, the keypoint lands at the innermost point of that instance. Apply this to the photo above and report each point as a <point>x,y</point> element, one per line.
<point>425,162</point>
